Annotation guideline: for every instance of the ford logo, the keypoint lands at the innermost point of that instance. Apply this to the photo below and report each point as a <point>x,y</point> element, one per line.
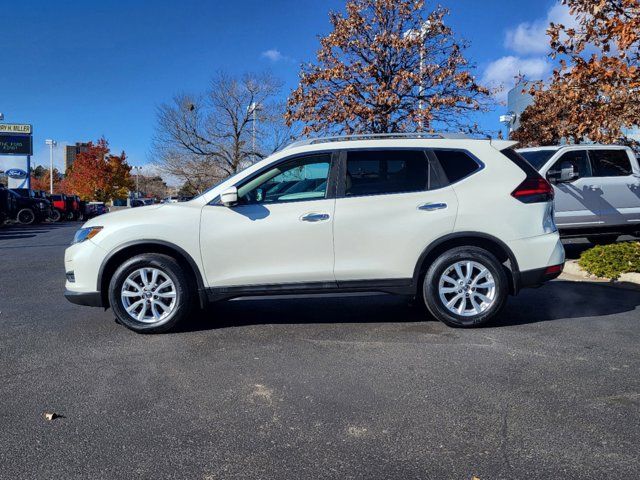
<point>16,173</point>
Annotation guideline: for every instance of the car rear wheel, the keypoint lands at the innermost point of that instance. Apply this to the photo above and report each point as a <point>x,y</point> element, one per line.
<point>602,239</point>
<point>26,216</point>
<point>465,287</point>
<point>150,293</point>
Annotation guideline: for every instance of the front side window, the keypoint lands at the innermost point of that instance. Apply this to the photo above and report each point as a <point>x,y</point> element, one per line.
<point>610,163</point>
<point>578,160</point>
<point>304,178</point>
<point>380,172</point>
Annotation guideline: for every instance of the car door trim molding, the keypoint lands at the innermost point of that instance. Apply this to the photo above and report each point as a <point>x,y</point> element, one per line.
<point>398,286</point>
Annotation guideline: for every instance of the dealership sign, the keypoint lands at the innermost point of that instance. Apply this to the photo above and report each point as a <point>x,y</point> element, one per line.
<point>20,128</point>
<point>15,144</point>
<point>16,173</point>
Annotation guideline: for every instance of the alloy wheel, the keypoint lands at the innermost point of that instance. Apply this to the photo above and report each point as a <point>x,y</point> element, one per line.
<point>467,288</point>
<point>148,295</point>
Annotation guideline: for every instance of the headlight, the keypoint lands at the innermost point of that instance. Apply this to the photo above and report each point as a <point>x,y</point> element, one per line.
<point>85,234</point>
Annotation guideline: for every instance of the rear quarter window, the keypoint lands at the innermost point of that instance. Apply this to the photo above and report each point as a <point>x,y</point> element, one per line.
<point>456,164</point>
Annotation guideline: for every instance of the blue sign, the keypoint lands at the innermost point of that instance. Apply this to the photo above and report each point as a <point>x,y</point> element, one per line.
<point>16,173</point>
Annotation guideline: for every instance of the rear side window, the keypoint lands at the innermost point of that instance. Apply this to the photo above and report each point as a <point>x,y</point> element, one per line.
<point>456,164</point>
<point>610,163</point>
<point>379,172</point>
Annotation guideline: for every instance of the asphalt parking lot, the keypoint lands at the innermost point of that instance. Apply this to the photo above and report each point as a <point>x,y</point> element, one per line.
<point>356,387</point>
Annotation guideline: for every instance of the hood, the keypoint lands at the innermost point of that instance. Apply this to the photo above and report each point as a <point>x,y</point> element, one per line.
<point>124,214</point>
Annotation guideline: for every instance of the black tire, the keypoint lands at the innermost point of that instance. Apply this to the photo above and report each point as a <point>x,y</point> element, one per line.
<point>55,215</point>
<point>26,216</point>
<point>168,266</point>
<point>431,282</point>
<point>602,239</point>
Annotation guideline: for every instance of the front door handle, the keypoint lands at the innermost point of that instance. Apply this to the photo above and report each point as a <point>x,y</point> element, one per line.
<point>314,217</point>
<point>429,207</point>
<point>595,188</point>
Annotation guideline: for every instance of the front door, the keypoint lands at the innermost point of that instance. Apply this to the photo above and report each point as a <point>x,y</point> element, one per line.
<point>281,231</point>
<point>577,203</point>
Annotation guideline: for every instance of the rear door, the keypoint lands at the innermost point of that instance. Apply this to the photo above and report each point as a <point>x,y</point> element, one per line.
<point>391,204</point>
<point>614,179</point>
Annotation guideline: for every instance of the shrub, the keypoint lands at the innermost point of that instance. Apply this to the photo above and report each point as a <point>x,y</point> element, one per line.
<point>613,260</point>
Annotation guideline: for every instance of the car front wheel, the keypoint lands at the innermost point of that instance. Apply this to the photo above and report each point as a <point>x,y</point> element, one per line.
<point>26,216</point>
<point>465,287</point>
<point>150,293</point>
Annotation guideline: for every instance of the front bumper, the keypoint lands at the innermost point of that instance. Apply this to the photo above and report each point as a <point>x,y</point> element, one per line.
<point>88,299</point>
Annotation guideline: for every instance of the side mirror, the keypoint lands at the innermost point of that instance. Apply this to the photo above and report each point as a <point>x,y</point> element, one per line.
<point>565,174</point>
<point>229,197</point>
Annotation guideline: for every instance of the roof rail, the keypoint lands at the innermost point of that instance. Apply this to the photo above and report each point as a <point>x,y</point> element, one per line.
<point>377,136</point>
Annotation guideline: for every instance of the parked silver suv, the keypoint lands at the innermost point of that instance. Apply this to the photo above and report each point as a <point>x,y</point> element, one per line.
<point>597,189</point>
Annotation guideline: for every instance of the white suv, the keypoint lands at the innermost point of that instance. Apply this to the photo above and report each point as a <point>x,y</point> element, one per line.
<point>461,223</point>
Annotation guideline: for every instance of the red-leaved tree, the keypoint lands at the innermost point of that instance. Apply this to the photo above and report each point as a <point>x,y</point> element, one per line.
<point>96,174</point>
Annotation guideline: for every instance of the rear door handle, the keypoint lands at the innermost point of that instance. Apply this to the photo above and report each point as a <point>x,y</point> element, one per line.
<point>429,207</point>
<point>595,188</point>
<point>314,217</point>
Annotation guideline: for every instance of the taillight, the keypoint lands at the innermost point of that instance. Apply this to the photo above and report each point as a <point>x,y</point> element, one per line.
<point>533,190</point>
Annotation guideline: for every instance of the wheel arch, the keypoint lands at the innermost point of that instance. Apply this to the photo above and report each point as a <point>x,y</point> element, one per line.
<point>128,250</point>
<point>470,239</point>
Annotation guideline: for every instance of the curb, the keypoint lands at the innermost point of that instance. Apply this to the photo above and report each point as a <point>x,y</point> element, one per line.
<point>573,273</point>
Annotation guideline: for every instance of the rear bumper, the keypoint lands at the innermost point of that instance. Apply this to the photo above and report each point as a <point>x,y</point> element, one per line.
<point>88,299</point>
<point>538,276</point>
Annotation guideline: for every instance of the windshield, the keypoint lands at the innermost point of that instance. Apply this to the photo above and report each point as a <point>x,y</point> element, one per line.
<point>537,158</point>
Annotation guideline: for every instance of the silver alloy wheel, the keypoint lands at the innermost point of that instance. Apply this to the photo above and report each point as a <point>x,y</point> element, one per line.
<point>148,295</point>
<point>467,288</point>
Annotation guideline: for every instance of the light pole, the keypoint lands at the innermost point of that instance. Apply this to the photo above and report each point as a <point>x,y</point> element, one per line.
<point>51,143</point>
<point>253,109</point>
<point>412,34</point>
<point>137,169</point>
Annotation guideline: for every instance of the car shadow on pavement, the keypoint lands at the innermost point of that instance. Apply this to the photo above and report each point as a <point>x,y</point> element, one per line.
<point>558,300</point>
<point>17,231</point>
<point>566,300</point>
<point>378,308</point>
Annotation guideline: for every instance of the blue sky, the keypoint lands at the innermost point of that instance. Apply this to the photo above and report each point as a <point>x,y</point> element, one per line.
<point>78,70</point>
